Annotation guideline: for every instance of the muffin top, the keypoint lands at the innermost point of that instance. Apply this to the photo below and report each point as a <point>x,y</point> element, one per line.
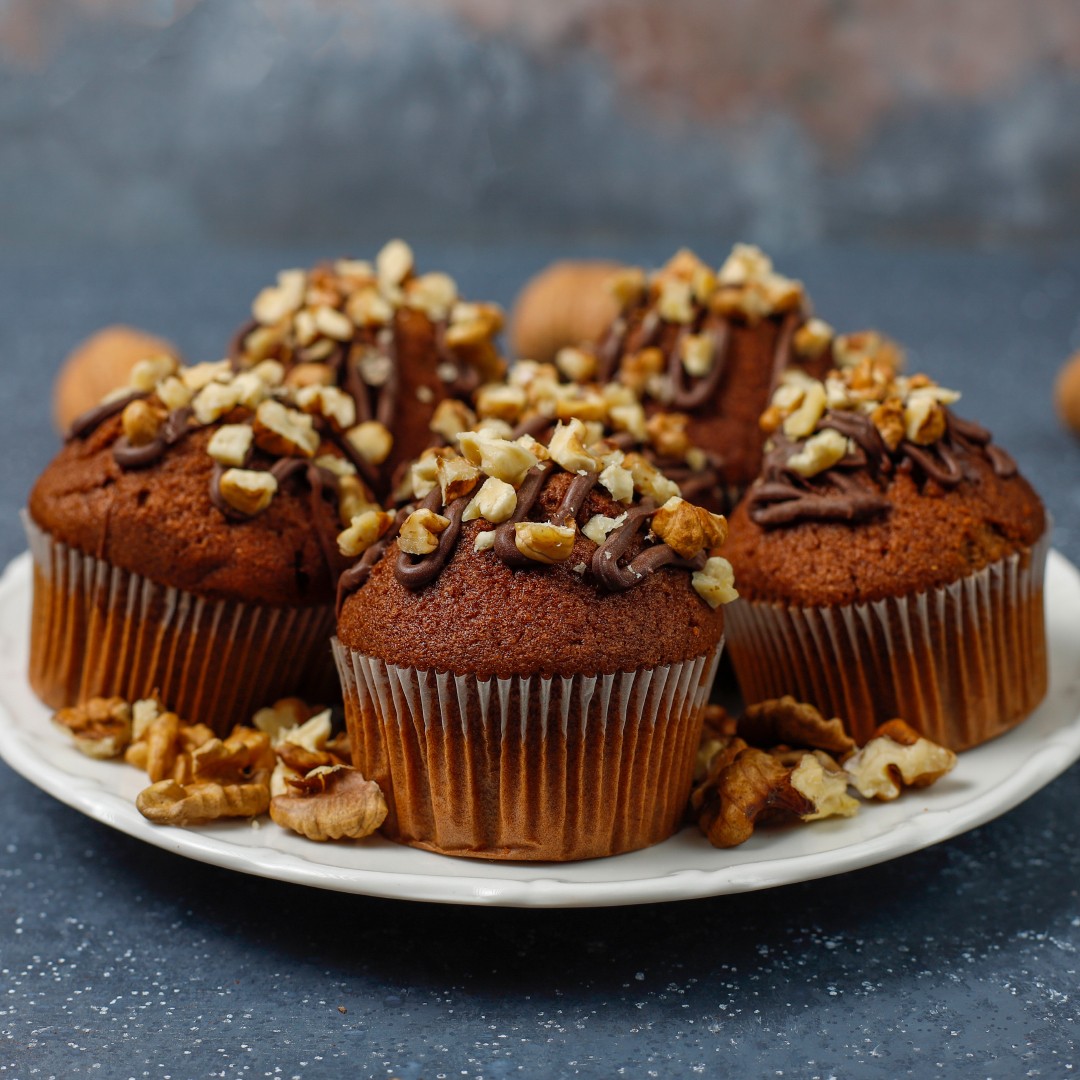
<point>396,341</point>
<point>712,344</point>
<point>228,485</point>
<point>872,487</point>
<point>530,558</point>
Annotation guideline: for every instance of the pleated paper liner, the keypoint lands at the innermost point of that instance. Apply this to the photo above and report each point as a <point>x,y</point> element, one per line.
<point>97,630</point>
<point>529,768</point>
<point>962,663</point>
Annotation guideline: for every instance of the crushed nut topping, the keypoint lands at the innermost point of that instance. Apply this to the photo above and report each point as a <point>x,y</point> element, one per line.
<point>895,758</point>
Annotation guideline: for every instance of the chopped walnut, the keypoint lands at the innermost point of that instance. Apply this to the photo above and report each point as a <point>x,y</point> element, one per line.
<point>502,401</point>
<point>649,480</point>
<point>567,447</point>
<point>638,370</point>
<point>148,373</point>
<point>802,421</point>
<point>457,477</point>
<point>100,727</point>
<point>364,530</point>
<point>285,715</point>
<point>167,802</point>
<point>888,418</point>
<point>394,263</point>
<point>141,423</point>
<point>817,777</point>
<point>599,526</point>
<point>796,723</point>
<point>668,435</point>
<point>715,582</point>
<point>629,418</point>
<point>371,440</point>
<point>543,542</point>
<point>331,803</point>
<point>173,394</point>
<point>676,300</point>
<point>420,531</point>
<point>627,285</point>
<point>698,353</point>
<point>231,444</point>
<point>736,796</point>
<point>248,491</point>
<point>434,294</point>
<point>214,400</point>
<point>497,457</point>
<point>329,402</point>
<point>284,432</point>
<point>813,338</point>
<point>820,452</point>
<point>687,528</point>
<point>924,419</point>
<point>496,501</point>
<point>576,364</point>
<point>619,482</point>
<point>451,418</point>
<point>897,757</point>
<point>309,374</point>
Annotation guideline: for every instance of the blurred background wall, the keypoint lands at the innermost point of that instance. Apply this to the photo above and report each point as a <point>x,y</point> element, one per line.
<point>336,123</point>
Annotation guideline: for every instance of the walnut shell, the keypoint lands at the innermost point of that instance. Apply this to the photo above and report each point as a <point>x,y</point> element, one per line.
<point>99,365</point>
<point>565,305</point>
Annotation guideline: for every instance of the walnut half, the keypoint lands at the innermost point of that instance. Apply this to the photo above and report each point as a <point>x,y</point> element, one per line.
<point>331,803</point>
<point>897,757</point>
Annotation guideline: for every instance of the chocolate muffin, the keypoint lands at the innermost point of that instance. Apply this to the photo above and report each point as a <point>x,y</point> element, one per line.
<point>712,345</point>
<point>184,542</point>
<point>890,559</point>
<point>526,654</point>
<point>396,341</point>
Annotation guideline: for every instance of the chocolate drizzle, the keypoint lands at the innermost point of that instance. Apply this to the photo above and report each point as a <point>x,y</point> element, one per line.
<point>417,572</point>
<point>89,421</point>
<point>175,426</point>
<point>784,497</point>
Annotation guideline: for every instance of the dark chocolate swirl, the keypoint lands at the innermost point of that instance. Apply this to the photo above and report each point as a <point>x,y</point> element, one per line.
<point>781,496</point>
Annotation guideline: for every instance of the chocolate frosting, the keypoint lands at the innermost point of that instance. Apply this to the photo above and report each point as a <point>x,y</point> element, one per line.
<point>781,496</point>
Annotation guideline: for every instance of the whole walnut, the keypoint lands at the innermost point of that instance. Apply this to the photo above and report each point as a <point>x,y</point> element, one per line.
<point>564,305</point>
<point>99,365</point>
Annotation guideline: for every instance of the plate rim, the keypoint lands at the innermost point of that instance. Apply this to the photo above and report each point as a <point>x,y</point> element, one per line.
<point>546,889</point>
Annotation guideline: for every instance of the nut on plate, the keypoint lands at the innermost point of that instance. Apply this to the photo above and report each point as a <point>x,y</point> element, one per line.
<point>897,757</point>
<point>332,802</point>
<point>100,727</point>
<point>795,723</point>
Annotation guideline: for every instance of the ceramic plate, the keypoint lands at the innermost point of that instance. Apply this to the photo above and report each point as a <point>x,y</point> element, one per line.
<point>987,782</point>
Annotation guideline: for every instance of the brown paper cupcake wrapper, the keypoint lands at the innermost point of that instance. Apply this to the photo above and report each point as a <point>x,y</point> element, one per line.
<point>961,663</point>
<point>528,767</point>
<point>97,630</point>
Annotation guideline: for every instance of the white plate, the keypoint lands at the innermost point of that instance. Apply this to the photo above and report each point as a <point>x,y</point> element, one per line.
<point>987,782</point>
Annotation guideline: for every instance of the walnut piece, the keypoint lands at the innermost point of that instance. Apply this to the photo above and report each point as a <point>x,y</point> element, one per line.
<point>284,432</point>
<point>497,457</point>
<point>364,530</point>
<point>371,440</point>
<point>420,531</point>
<point>820,452</point>
<point>567,447</point>
<point>687,528</point>
<point>248,491</point>
<point>496,501</point>
<point>100,727</point>
<point>897,757</point>
<point>457,477</point>
<point>331,803</point>
<point>543,542</point>
<point>141,422</point>
<point>231,444</point>
<point>715,582</point>
<point>170,803</point>
<point>795,723</point>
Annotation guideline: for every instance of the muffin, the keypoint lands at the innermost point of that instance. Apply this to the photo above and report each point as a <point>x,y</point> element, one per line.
<point>184,543</point>
<point>526,654</point>
<point>396,341</point>
<point>890,560</point>
<point>712,345</point>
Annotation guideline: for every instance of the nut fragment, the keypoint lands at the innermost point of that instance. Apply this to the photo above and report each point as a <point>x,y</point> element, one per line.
<point>329,402</point>
<point>451,418</point>
<point>457,477</point>
<point>364,530</point>
<point>331,803</point>
<point>284,432</point>
<point>687,528</point>
<point>496,501</point>
<point>897,757</point>
<point>796,723</point>
<point>231,444</point>
<point>813,338</point>
<point>141,423</point>
<point>619,482</point>
<point>924,419</point>
<point>504,402</point>
<point>817,777</point>
<point>371,440</point>
<point>820,452</point>
<point>543,542</point>
<point>715,582</point>
<point>420,532</point>
<point>567,447</point>
<point>649,480</point>
<point>394,263</point>
<point>599,526</point>
<point>148,372</point>
<point>667,433</point>
<point>310,374</point>
<point>100,727</point>
<point>738,795</point>
<point>248,491</point>
<point>698,353</point>
<point>576,363</point>
<point>497,457</point>
<point>804,419</point>
<point>214,400</point>
<point>170,803</point>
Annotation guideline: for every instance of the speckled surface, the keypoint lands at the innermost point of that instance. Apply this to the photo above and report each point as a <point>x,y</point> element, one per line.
<point>119,960</point>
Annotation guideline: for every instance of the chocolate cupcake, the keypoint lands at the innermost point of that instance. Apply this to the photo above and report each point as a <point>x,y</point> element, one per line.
<point>527,653</point>
<point>184,542</point>
<point>713,345</point>
<point>396,341</point>
<point>890,559</point>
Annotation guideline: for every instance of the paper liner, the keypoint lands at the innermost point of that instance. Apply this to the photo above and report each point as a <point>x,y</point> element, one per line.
<point>961,663</point>
<point>531,768</point>
<point>97,630</point>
